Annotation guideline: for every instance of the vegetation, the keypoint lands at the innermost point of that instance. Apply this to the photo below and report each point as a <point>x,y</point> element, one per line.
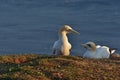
<point>44,67</point>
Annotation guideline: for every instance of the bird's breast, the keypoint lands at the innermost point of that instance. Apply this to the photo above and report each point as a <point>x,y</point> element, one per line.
<point>67,45</point>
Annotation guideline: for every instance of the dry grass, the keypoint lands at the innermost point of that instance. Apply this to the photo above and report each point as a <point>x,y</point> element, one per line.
<point>43,67</point>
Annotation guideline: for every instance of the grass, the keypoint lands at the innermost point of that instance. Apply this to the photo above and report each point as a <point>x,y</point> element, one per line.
<point>44,67</point>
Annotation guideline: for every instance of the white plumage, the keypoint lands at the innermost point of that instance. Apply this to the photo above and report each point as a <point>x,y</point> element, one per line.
<point>62,45</point>
<point>98,51</point>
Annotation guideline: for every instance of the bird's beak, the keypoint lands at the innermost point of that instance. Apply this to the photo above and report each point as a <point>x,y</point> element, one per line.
<point>73,31</point>
<point>84,45</point>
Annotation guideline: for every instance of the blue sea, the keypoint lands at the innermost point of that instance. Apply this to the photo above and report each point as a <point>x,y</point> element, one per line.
<point>30,26</point>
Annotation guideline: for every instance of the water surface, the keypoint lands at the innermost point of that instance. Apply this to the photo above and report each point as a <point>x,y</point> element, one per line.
<point>30,26</point>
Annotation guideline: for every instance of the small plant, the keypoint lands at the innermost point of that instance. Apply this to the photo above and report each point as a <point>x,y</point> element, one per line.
<point>13,69</point>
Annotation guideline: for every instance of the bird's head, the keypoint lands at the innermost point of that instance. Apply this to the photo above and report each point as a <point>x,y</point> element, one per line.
<point>68,29</point>
<point>89,46</point>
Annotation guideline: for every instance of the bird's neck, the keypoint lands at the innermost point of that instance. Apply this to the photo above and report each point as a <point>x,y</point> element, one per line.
<point>63,36</point>
<point>93,50</point>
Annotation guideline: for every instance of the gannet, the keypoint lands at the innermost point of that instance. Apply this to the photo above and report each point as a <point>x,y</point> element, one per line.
<point>62,45</point>
<point>97,51</point>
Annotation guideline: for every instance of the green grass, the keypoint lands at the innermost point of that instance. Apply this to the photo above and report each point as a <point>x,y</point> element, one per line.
<point>44,67</point>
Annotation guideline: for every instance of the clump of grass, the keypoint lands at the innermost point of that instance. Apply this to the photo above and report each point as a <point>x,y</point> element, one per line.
<point>17,59</point>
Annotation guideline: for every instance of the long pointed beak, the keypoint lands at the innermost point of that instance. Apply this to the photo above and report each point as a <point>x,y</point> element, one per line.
<point>73,31</point>
<point>84,45</point>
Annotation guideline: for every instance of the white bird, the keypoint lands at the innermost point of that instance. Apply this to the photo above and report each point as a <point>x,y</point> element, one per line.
<point>98,51</point>
<point>62,45</point>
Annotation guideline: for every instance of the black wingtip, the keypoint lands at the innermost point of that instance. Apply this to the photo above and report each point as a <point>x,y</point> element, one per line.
<point>53,51</point>
<point>112,50</point>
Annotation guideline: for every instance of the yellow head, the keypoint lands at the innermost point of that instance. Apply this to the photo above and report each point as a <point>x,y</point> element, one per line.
<point>90,46</point>
<point>68,29</point>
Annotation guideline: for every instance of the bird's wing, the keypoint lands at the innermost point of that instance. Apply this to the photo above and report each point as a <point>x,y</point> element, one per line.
<point>54,47</point>
<point>54,51</point>
<point>103,52</point>
<point>110,50</point>
<point>98,46</point>
<point>57,47</point>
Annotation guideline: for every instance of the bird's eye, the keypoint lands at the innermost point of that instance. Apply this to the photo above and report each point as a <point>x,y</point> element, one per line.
<point>89,45</point>
<point>69,29</point>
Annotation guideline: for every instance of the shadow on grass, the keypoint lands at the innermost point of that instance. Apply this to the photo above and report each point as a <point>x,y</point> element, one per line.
<point>7,78</point>
<point>8,68</point>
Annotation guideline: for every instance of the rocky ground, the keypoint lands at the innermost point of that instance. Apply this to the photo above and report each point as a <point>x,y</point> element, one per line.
<point>45,67</point>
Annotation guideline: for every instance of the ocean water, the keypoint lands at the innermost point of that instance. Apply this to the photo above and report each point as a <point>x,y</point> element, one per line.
<point>30,26</point>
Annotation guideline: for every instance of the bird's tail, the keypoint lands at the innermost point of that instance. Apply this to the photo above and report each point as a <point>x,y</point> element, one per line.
<point>112,50</point>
